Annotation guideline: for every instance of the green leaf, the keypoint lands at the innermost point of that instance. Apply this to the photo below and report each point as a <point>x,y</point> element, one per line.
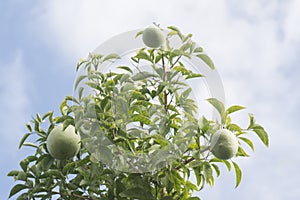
<point>23,140</point>
<point>262,134</point>
<point>30,144</point>
<point>126,68</point>
<point>234,127</point>
<point>208,173</point>
<point>198,50</point>
<point>137,193</point>
<point>48,114</point>
<point>80,63</point>
<point>193,75</point>
<point>22,176</point>
<point>238,174</point>
<point>62,107</point>
<point>46,162</point>
<point>234,109</point>
<point>139,33</point>
<point>219,106</point>
<point>141,118</point>
<point>193,198</point>
<point>252,121</point>
<point>216,168</point>
<point>68,167</point>
<point>241,152</point>
<point>247,141</point>
<point>142,76</point>
<point>13,173</point>
<point>207,60</point>
<point>53,172</point>
<point>29,127</point>
<point>227,163</point>
<point>17,188</point>
<point>112,56</point>
<point>176,32</point>
<point>78,80</point>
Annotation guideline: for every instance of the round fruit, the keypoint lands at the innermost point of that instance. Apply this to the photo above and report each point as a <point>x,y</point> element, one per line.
<point>153,37</point>
<point>63,144</point>
<point>224,144</point>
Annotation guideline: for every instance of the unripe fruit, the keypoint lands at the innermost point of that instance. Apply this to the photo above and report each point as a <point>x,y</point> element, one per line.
<point>153,37</point>
<point>63,144</point>
<point>224,144</point>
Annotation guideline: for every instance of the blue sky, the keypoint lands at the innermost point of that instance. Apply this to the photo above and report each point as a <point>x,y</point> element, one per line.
<point>254,44</point>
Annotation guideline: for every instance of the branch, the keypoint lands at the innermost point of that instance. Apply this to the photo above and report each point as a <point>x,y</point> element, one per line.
<point>73,195</point>
<point>192,158</point>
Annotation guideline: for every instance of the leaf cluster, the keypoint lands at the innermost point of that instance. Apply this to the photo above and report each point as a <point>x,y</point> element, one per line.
<point>138,111</point>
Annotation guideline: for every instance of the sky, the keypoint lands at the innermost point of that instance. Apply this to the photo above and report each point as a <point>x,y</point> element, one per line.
<point>254,44</point>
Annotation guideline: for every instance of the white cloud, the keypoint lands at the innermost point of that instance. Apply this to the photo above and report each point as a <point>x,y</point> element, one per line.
<point>14,102</point>
<point>14,106</point>
<point>252,44</point>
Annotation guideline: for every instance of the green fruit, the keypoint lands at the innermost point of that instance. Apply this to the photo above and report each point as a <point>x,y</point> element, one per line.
<point>224,144</point>
<point>63,144</point>
<point>153,37</point>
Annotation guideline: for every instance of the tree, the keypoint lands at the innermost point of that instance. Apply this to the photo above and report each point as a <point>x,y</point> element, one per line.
<point>140,135</point>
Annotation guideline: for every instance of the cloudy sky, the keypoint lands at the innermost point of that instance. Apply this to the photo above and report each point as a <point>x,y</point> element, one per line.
<point>254,44</point>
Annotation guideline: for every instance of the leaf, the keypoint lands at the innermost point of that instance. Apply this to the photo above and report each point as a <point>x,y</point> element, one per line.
<point>241,152</point>
<point>22,176</point>
<point>228,165</point>
<point>234,127</point>
<point>247,141</point>
<point>62,107</point>
<point>92,85</point>
<point>261,133</point>
<point>138,193</point>
<point>68,167</point>
<point>193,198</point>
<point>193,75</point>
<point>139,33</point>
<point>142,76</point>
<point>17,188</point>
<point>71,98</point>
<point>78,80</point>
<point>126,68</point>
<point>29,127</point>
<point>46,162</point>
<point>208,173</point>
<point>198,50</point>
<point>48,114</point>
<point>112,56</point>
<point>23,140</point>
<point>207,60</point>
<point>141,118</point>
<point>30,144</point>
<point>216,168</point>
<point>176,31</point>
<point>252,120</point>
<point>80,63</point>
<point>53,172</point>
<point>238,174</point>
<point>219,106</point>
<point>234,109</point>
<point>13,173</point>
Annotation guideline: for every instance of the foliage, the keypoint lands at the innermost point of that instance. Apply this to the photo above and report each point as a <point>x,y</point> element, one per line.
<point>159,104</point>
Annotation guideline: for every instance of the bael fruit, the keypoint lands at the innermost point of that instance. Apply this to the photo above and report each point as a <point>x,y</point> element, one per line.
<point>224,144</point>
<point>63,144</point>
<point>153,37</point>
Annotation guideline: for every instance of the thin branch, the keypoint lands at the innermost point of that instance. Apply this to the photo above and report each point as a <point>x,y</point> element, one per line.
<point>192,158</point>
<point>73,195</point>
